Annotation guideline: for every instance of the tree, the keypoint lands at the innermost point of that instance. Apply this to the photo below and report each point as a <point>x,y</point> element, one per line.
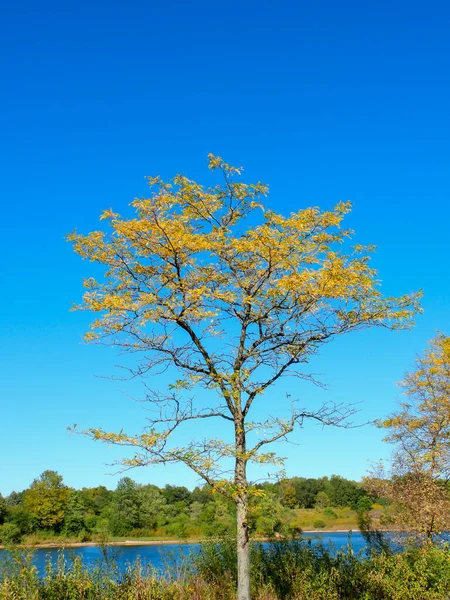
<point>344,492</point>
<point>152,506</point>
<point>307,489</point>
<point>203,494</point>
<point>322,500</point>
<point>96,499</point>
<point>20,517</point>
<point>126,507</point>
<point>266,516</point>
<point>74,514</point>
<point>3,509</point>
<point>9,534</point>
<point>14,498</point>
<point>417,483</point>
<point>232,296</point>
<point>288,494</point>
<point>176,493</point>
<point>46,500</point>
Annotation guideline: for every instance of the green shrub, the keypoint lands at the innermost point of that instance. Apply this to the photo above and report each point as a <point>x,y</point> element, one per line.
<point>177,529</point>
<point>217,560</point>
<point>84,536</point>
<point>319,524</point>
<point>329,513</point>
<point>10,533</point>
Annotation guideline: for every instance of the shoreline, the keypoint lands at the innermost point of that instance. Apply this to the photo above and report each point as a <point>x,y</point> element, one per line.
<point>62,544</point>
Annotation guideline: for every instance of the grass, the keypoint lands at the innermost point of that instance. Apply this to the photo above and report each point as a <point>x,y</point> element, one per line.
<point>304,519</point>
<point>292,570</point>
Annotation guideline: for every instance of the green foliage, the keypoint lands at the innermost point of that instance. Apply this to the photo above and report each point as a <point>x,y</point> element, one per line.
<point>137,506</point>
<point>376,540</point>
<point>364,503</point>
<point>14,499</point>
<point>46,500</point>
<point>202,494</point>
<point>136,510</point>
<point>288,495</point>
<point>322,492</point>
<point>266,516</point>
<point>10,534</point>
<point>152,506</point>
<point>319,524</point>
<point>297,570</point>
<point>217,560</point>
<point>343,492</point>
<point>175,493</point>
<point>125,507</point>
<point>3,509</point>
<point>195,511</point>
<point>307,490</point>
<point>19,516</point>
<point>74,514</point>
<point>96,499</point>
<point>177,529</point>
<point>285,570</point>
<point>322,500</point>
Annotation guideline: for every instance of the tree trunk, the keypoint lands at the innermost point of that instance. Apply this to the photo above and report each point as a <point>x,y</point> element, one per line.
<point>243,545</point>
<point>243,550</point>
<point>429,531</point>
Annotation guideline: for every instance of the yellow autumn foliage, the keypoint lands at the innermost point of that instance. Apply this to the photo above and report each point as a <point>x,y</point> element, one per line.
<point>232,294</point>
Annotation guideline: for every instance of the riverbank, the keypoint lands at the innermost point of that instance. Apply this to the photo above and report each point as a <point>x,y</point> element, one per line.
<point>161,542</point>
<point>296,571</point>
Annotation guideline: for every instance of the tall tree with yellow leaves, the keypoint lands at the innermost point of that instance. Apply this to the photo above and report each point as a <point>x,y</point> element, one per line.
<point>46,500</point>
<point>233,296</point>
<point>418,481</point>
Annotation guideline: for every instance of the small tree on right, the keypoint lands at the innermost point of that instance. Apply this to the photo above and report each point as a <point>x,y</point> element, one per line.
<point>417,484</point>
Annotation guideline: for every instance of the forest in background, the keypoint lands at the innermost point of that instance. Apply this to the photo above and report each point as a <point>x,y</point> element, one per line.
<point>49,509</point>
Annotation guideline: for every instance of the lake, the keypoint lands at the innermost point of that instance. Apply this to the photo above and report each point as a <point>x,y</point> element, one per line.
<point>160,555</point>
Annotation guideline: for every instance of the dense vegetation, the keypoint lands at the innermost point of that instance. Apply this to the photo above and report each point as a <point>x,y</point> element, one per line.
<point>284,570</point>
<point>49,509</point>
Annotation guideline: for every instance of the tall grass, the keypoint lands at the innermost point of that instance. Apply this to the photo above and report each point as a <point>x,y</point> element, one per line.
<point>288,570</point>
<point>301,570</point>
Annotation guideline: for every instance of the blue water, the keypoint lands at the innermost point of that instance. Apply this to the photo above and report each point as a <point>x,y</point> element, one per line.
<point>161,556</point>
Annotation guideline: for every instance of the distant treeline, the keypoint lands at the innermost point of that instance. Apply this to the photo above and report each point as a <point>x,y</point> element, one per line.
<point>50,508</point>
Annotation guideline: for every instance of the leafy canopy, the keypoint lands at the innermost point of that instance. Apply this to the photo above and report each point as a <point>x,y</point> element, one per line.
<point>46,499</point>
<point>233,295</point>
<point>417,483</point>
<point>422,425</point>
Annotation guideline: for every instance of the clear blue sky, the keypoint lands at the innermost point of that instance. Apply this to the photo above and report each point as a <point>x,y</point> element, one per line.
<point>322,100</point>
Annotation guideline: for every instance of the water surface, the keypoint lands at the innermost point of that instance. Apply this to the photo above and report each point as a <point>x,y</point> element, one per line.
<point>161,556</point>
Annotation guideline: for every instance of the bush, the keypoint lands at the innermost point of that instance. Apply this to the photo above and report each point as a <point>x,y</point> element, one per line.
<point>319,524</point>
<point>364,504</point>
<point>329,513</point>
<point>84,536</point>
<point>10,534</point>
<point>177,529</point>
<point>217,560</point>
<point>298,570</point>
